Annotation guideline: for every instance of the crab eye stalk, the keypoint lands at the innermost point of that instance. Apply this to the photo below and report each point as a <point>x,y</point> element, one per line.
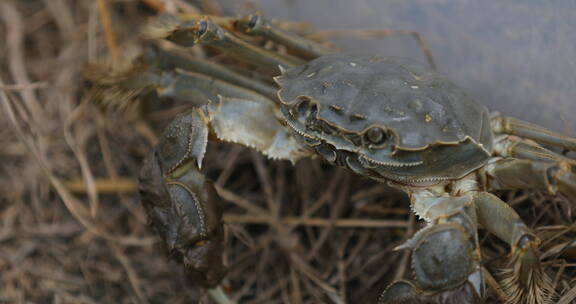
<point>375,136</point>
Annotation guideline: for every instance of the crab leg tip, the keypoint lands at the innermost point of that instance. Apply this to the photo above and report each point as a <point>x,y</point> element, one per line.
<point>218,296</point>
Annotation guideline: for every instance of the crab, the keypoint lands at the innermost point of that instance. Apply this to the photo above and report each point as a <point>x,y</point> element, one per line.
<point>392,120</point>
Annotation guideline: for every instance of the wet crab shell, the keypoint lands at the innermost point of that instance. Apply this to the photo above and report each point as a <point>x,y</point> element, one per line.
<point>435,130</point>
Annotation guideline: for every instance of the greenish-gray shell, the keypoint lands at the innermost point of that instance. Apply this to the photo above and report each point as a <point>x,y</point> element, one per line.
<point>437,131</point>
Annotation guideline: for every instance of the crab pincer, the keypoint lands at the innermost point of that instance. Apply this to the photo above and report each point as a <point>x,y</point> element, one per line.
<point>181,205</point>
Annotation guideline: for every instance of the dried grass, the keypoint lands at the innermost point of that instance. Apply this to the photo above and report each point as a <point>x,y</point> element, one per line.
<point>72,229</point>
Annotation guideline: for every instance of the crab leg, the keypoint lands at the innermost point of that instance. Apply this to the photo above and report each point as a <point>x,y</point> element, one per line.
<point>195,88</point>
<point>509,125</point>
<point>199,89</point>
<point>516,147</point>
<point>208,33</point>
<point>170,60</point>
<point>156,69</point>
<point>445,254</point>
<point>526,281</point>
<point>511,173</point>
<point>259,26</point>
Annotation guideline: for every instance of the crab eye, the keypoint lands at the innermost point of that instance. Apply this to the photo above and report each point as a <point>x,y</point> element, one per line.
<point>376,136</point>
<point>301,107</point>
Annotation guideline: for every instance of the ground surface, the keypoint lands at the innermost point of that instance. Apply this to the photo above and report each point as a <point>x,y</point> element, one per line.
<point>63,242</point>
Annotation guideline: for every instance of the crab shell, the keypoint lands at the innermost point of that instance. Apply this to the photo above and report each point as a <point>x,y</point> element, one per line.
<point>432,130</point>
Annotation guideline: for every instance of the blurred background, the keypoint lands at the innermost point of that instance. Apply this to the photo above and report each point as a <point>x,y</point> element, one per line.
<point>518,57</point>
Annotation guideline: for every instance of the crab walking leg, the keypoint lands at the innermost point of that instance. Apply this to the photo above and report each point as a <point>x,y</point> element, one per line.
<point>445,254</point>
<point>509,125</point>
<point>511,173</point>
<point>195,88</point>
<point>192,80</point>
<point>218,295</point>
<point>208,33</point>
<point>516,147</point>
<point>526,281</point>
<point>199,89</point>
<point>257,25</point>
<point>171,60</point>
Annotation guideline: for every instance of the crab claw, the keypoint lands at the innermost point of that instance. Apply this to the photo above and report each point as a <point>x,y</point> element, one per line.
<point>197,243</point>
<point>398,292</point>
<point>181,204</point>
<point>406,292</point>
<point>445,264</point>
